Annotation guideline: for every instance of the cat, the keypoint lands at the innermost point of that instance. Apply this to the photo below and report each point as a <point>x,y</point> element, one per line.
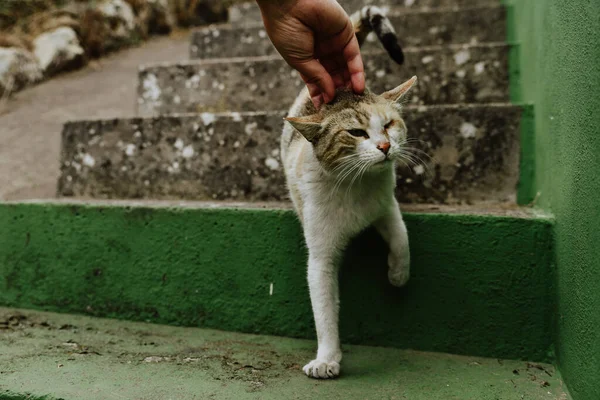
<point>339,165</point>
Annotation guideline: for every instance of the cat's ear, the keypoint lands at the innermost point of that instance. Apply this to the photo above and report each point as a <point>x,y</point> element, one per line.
<point>399,92</point>
<point>309,126</point>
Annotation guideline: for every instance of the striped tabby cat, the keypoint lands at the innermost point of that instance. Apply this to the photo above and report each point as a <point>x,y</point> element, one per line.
<point>340,169</point>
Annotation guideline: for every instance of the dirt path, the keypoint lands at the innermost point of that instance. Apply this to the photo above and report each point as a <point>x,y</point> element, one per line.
<point>31,122</point>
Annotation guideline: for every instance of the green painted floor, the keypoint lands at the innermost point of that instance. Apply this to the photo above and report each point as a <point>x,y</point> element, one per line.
<point>76,357</point>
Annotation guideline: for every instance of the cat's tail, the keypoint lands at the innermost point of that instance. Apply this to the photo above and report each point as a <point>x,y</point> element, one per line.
<point>372,19</point>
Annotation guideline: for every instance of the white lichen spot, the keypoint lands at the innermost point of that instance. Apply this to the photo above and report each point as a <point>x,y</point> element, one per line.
<point>137,134</point>
<point>236,144</point>
<point>178,144</point>
<point>250,128</point>
<point>175,165</point>
<point>419,170</point>
<point>92,131</point>
<point>69,178</point>
<point>272,163</point>
<point>409,180</point>
<point>496,64</point>
<point>188,151</point>
<point>195,126</point>
<point>275,152</point>
<point>202,72</point>
<point>176,99</point>
<point>427,59</point>
<point>479,68</point>
<point>371,37</point>
<point>88,160</point>
<point>124,168</point>
<point>211,131</point>
<point>216,33</point>
<point>130,149</point>
<point>409,3</point>
<point>151,89</point>
<point>146,183</point>
<point>221,143</point>
<point>461,73</point>
<point>237,117</point>
<point>462,57</point>
<point>221,86</point>
<point>434,30</point>
<point>253,87</point>
<point>207,118</point>
<point>468,130</point>
<point>380,73</point>
<point>192,82</point>
<point>262,34</point>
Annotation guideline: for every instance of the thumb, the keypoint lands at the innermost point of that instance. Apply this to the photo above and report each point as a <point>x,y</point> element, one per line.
<point>317,79</point>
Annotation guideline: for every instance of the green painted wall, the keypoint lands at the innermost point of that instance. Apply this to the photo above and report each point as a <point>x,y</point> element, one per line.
<point>480,285</point>
<point>559,72</point>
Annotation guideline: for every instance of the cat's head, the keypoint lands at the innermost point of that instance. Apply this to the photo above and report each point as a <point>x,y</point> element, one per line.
<point>357,131</point>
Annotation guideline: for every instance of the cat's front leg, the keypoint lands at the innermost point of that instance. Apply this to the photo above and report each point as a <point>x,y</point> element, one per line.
<point>391,227</point>
<point>324,251</point>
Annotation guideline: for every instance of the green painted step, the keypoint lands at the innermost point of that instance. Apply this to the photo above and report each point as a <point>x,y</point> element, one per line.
<point>422,28</point>
<point>482,284</point>
<point>73,358</point>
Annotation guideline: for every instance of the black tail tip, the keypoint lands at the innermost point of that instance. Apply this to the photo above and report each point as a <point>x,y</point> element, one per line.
<point>390,43</point>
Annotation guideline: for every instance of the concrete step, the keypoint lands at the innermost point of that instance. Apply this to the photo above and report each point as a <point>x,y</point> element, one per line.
<point>249,12</point>
<point>76,357</point>
<point>451,74</point>
<point>473,149</point>
<point>481,284</point>
<point>423,28</point>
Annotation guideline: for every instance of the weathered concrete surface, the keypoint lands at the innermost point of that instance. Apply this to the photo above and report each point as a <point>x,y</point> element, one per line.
<point>480,284</point>
<point>250,13</point>
<point>31,121</point>
<point>452,74</point>
<point>424,28</point>
<point>472,156</point>
<point>74,357</point>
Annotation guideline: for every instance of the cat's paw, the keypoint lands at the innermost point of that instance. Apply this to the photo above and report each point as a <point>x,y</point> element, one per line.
<point>321,369</point>
<point>399,269</point>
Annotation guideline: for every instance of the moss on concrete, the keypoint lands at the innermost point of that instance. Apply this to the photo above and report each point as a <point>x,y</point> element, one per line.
<point>559,72</point>
<point>73,357</point>
<point>480,285</point>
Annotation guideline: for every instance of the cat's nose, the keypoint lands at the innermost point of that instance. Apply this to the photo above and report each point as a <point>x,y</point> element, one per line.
<point>384,147</point>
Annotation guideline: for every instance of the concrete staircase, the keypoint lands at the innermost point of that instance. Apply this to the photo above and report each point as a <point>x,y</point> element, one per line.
<point>179,216</point>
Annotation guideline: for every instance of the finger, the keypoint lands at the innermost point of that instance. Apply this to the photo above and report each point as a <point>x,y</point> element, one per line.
<point>355,65</point>
<point>315,93</point>
<point>312,72</point>
<point>336,68</point>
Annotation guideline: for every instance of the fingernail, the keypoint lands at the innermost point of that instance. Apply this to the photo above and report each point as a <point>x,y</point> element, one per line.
<point>326,98</point>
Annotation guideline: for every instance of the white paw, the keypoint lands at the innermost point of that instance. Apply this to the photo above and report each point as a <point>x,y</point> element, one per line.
<point>399,269</point>
<point>321,369</point>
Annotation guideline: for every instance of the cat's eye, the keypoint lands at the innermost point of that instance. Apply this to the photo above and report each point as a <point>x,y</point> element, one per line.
<point>358,133</point>
<point>389,125</point>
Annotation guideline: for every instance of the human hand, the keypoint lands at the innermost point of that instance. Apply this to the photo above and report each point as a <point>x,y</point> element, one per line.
<point>316,37</point>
